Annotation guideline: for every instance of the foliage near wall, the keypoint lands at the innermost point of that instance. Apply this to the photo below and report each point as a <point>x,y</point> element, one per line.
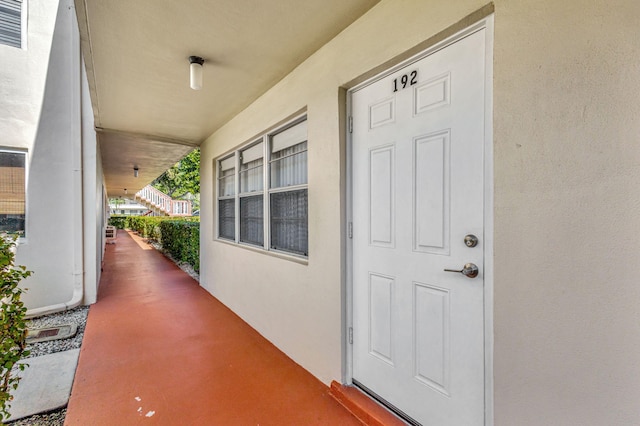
<point>181,239</point>
<point>12,324</point>
<point>119,222</point>
<point>146,226</point>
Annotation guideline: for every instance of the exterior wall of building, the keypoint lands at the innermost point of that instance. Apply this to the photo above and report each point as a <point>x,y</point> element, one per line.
<point>94,200</point>
<point>300,307</point>
<point>23,73</point>
<point>566,121</point>
<point>41,113</point>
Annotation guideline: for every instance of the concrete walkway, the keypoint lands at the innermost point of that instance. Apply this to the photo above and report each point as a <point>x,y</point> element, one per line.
<point>158,349</point>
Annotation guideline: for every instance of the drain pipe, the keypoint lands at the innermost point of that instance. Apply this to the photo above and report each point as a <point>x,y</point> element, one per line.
<point>75,109</point>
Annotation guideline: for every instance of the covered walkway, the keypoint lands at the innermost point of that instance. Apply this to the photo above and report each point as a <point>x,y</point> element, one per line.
<point>158,349</point>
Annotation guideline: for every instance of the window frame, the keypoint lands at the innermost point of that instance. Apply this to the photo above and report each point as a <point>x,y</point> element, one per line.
<point>248,194</point>
<point>233,196</point>
<point>23,26</point>
<point>22,238</point>
<point>266,139</point>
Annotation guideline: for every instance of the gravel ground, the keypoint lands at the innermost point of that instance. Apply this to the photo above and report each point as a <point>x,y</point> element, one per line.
<point>54,418</point>
<point>76,316</point>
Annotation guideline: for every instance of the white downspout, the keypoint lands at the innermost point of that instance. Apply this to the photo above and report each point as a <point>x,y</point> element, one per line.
<point>75,109</point>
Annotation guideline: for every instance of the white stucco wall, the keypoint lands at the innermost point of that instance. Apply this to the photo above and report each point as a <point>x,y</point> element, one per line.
<point>50,249</point>
<point>566,124</point>
<point>94,217</point>
<point>299,307</point>
<point>567,156</point>
<point>22,77</point>
<point>40,112</point>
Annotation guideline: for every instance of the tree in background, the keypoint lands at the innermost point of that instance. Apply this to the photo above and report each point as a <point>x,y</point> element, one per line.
<point>182,181</point>
<point>116,202</point>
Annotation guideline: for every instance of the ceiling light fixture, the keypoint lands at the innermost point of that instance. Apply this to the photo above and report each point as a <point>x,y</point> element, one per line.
<point>195,73</point>
<point>135,171</point>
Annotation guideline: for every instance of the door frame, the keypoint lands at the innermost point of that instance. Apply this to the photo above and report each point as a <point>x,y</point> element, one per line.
<point>488,269</point>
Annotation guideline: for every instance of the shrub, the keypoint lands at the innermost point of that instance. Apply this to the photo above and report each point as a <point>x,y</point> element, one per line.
<point>146,226</point>
<point>119,222</point>
<point>12,324</point>
<point>181,239</point>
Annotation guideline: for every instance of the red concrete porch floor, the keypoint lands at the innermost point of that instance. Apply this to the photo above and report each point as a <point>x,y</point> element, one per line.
<point>158,349</point>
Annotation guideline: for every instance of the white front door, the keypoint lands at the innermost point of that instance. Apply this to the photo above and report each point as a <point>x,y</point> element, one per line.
<point>418,191</point>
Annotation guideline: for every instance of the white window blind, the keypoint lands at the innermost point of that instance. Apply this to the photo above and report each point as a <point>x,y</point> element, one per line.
<point>11,22</point>
<point>289,137</point>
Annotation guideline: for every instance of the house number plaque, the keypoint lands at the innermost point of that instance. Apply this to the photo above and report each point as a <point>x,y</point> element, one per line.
<point>405,80</point>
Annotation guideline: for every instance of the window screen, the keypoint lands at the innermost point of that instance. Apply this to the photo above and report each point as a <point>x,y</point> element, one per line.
<point>226,199</point>
<point>251,195</point>
<point>251,220</point>
<point>11,22</point>
<point>12,192</point>
<point>289,224</point>
<point>227,219</point>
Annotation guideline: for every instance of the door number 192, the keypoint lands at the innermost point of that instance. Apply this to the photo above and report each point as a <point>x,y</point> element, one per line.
<point>405,80</point>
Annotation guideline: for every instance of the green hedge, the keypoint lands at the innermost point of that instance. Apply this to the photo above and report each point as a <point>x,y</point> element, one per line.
<point>146,226</point>
<point>181,239</point>
<point>119,221</point>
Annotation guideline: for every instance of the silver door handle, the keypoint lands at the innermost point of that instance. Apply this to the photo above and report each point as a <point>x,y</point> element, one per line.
<point>469,270</point>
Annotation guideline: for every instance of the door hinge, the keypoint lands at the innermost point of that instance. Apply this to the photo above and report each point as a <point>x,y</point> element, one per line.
<point>351,335</point>
<point>350,124</point>
<point>350,230</point>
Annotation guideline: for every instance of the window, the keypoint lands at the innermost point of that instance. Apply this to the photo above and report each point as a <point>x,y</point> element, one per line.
<point>288,191</point>
<point>271,203</point>
<point>12,192</point>
<point>11,22</point>
<point>251,195</point>
<point>226,198</point>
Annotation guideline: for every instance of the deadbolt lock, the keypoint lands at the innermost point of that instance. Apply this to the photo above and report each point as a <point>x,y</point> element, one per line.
<point>471,240</point>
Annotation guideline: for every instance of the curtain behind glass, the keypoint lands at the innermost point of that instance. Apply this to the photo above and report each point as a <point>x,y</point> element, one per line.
<point>251,178</point>
<point>227,182</point>
<point>289,166</point>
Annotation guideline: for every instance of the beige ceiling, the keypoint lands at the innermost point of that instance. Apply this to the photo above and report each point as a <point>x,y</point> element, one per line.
<point>136,55</point>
